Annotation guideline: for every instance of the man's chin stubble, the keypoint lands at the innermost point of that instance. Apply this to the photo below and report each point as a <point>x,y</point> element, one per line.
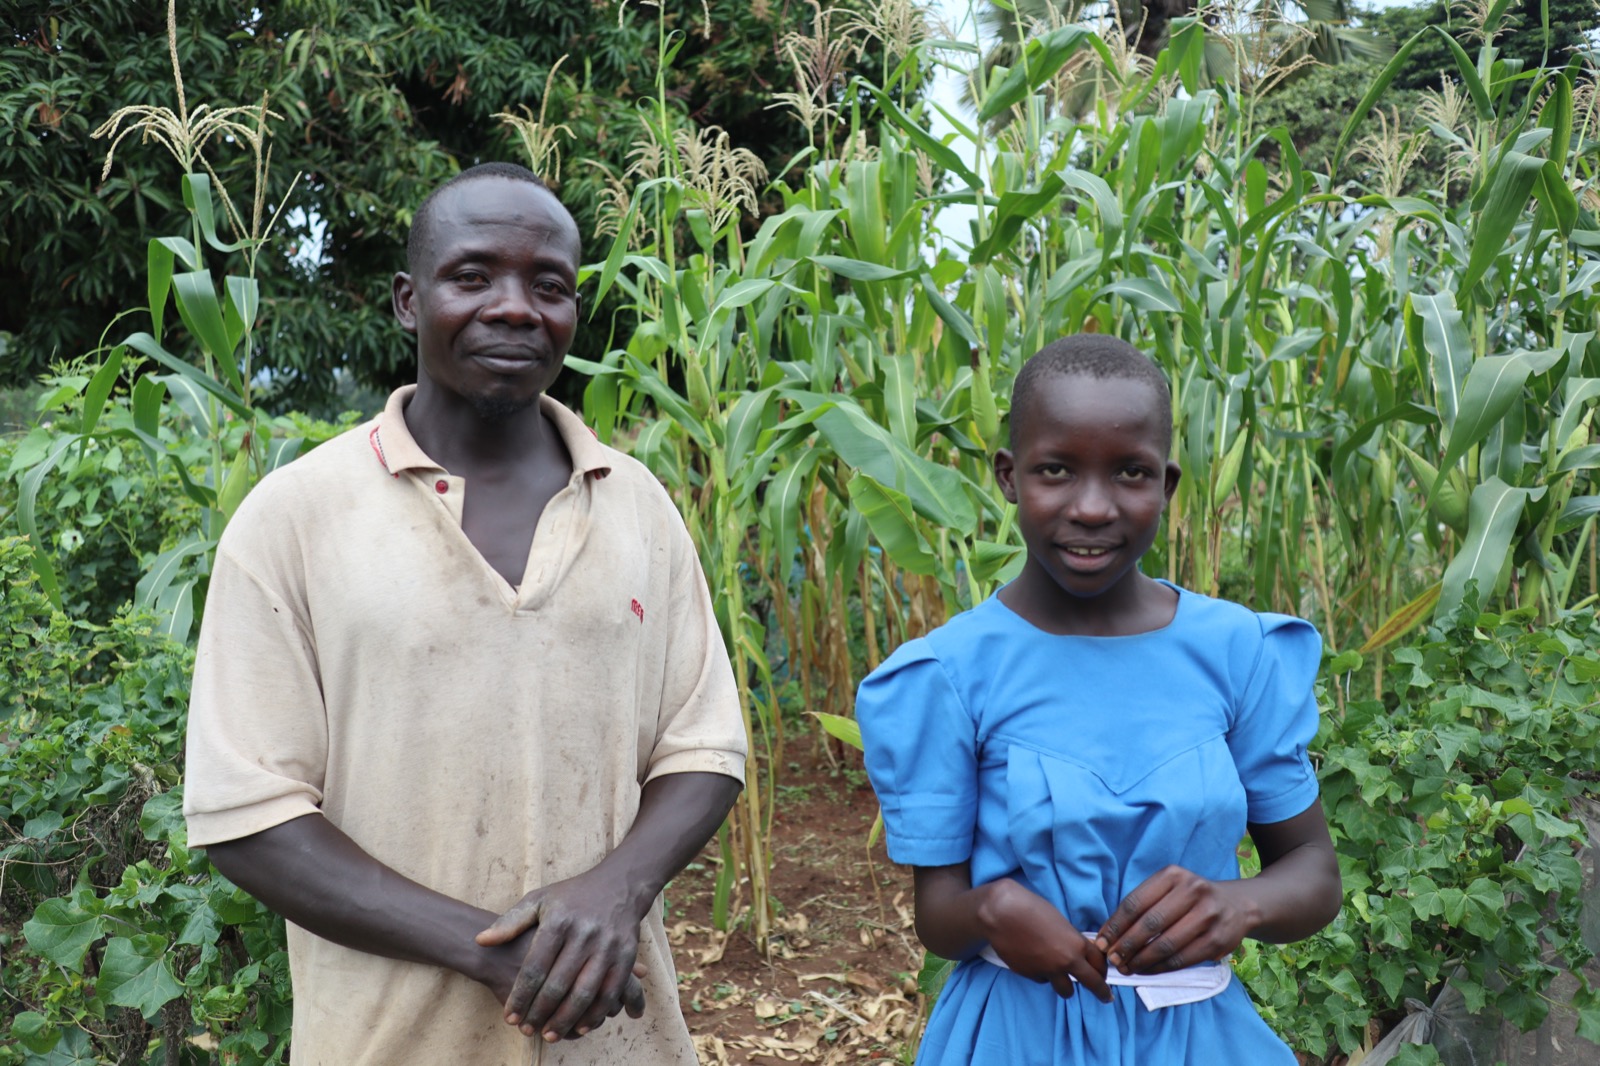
<point>500,408</point>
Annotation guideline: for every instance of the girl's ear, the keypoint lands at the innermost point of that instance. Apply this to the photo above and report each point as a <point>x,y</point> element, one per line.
<point>1174,475</point>
<point>1005,474</point>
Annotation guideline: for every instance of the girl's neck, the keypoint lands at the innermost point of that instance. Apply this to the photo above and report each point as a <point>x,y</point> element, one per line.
<point>1138,605</point>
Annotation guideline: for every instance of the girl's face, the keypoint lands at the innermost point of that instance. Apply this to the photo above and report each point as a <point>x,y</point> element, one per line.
<point>1090,478</point>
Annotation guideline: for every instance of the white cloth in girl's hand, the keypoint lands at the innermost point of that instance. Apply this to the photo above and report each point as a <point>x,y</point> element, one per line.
<point>1156,990</point>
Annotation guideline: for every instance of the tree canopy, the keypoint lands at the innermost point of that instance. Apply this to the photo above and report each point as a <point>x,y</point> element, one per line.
<point>379,101</point>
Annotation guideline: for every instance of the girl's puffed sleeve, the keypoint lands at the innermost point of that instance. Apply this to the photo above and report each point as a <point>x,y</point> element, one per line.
<point>1275,718</point>
<point>921,749</point>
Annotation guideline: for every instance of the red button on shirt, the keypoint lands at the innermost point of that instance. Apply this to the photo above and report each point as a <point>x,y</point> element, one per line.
<point>441,486</point>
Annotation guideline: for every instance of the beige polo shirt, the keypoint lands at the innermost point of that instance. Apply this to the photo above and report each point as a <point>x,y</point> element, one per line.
<point>358,657</point>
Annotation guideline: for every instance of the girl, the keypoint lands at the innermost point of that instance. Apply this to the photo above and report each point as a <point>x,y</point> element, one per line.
<point>1070,765</point>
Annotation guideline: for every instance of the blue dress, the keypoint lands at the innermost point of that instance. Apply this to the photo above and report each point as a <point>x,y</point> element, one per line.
<point>1079,766</point>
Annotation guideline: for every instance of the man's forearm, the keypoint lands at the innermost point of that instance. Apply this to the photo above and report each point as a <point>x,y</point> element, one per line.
<point>314,875</point>
<point>678,813</point>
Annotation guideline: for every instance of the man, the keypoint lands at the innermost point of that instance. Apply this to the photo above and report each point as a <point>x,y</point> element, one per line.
<point>461,708</point>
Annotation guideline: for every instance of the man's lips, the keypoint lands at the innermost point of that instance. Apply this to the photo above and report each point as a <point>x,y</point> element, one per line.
<point>507,359</point>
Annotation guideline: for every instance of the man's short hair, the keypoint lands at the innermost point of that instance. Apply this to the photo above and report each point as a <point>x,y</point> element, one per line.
<point>1092,355</point>
<point>418,239</point>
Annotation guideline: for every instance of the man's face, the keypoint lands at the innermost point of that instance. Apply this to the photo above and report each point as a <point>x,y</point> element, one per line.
<point>493,302</point>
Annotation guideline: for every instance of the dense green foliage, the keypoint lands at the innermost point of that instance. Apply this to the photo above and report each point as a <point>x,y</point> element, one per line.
<point>133,943</point>
<point>1450,803</point>
<point>1384,403</point>
<point>378,101</point>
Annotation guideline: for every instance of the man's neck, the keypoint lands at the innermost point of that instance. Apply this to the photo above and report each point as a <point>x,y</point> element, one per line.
<point>462,440</point>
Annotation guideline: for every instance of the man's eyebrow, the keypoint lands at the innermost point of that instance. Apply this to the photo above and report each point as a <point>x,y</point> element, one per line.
<point>488,254</point>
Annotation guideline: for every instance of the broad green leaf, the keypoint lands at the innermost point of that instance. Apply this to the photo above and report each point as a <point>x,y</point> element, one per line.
<point>197,198</point>
<point>1578,510</point>
<point>244,303</point>
<point>744,426</point>
<point>890,516</point>
<point>781,508</point>
<point>840,727</point>
<point>147,345</point>
<point>1449,350</point>
<point>952,315</point>
<point>619,249</point>
<point>1468,72</point>
<point>1509,186</point>
<point>175,610</point>
<point>900,395</point>
<point>159,575</point>
<point>99,390</point>
<point>857,269</point>
<point>1492,516</point>
<point>740,293</point>
<point>1493,384</point>
<point>668,402</point>
<point>1042,57</point>
<point>135,973</point>
<point>1379,86</point>
<point>933,975</point>
<point>917,132</point>
<point>61,931</point>
<point>936,492</point>
<point>1559,201</point>
<point>27,508</point>
<point>196,295</point>
<point>1145,293</point>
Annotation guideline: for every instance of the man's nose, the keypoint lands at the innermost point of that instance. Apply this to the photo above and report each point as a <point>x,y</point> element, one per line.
<point>511,302</point>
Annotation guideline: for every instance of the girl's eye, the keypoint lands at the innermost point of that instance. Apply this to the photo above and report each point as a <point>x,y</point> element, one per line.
<point>1053,470</point>
<point>1135,473</point>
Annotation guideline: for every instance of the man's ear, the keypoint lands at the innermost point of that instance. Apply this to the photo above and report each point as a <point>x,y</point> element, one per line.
<point>1005,474</point>
<point>402,295</point>
<point>1174,475</point>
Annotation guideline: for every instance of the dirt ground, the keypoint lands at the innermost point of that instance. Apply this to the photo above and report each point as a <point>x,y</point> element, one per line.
<point>840,985</point>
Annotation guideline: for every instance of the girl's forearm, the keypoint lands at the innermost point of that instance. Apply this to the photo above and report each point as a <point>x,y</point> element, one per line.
<point>1298,890</point>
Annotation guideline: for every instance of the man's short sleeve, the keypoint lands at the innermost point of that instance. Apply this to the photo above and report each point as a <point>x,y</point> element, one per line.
<point>258,735</point>
<point>699,728</point>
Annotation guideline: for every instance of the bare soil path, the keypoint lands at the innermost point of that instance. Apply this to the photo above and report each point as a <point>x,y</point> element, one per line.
<point>840,985</point>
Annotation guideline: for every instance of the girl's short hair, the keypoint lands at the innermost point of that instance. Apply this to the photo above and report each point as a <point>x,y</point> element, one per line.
<point>1091,355</point>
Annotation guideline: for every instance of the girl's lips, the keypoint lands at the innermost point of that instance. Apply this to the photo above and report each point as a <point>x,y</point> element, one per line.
<point>1085,557</point>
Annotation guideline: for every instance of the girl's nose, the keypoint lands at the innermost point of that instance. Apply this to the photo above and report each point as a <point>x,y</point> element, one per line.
<point>1092,504</point>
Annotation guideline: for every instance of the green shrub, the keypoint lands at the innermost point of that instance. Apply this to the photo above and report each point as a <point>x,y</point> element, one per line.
<point>119,942</point>
<point>1450,805</point>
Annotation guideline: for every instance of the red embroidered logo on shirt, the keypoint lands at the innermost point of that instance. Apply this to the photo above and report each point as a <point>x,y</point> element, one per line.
<point>638,609</point>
